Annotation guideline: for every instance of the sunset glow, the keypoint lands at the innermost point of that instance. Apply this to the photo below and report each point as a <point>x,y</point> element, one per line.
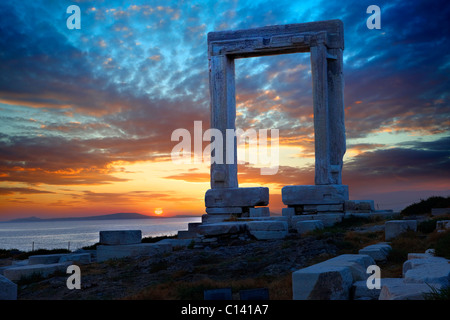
<point>86,116</point>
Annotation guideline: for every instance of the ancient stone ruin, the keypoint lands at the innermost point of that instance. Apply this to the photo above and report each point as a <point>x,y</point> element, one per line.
<point>324,41</point>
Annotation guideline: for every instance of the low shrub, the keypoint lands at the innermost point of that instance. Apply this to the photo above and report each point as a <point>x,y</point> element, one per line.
<point>442,245</point>
<point>437,294</point>
<point>425,206</point>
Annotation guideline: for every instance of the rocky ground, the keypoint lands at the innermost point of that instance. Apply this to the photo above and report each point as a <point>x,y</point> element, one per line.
<point>235,261</point>
<point>185,273</point>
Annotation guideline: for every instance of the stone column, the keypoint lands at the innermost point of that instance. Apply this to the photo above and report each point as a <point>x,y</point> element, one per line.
<point>223,116</point>
<point>321,114</point>
<point>336,113</point>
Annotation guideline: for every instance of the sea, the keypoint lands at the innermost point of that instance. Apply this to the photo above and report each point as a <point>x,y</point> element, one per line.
<point>72,235</point>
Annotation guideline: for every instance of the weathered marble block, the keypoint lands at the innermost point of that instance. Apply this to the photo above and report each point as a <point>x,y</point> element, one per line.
<point>394,228</point>
<point>434,272</point>
<point>318,194</point>
<point>397,289</point>
<point>44,270</point>
<point>378,251</point>
<point>219,228</point>
<point>328,219</point>
<point>322,282</point>
<point>268,229</point>
<point>237,197</point>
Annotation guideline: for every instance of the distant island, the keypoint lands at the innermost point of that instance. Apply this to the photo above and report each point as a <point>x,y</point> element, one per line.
<point>123,215</point>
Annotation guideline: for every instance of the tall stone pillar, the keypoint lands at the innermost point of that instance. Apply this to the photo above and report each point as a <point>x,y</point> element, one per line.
<point>223,117</point>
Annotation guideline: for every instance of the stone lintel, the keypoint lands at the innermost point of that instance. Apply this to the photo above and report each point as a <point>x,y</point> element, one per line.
<point>317,194</point>
<point>260,46</point>
<point>237,197</point>
<point>333,28</point>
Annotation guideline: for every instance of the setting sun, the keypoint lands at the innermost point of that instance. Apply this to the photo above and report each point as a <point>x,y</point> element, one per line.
<point>158,211</point>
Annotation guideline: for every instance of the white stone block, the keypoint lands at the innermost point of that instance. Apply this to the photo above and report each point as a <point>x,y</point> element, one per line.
<point>322,282</point>
<point>308,225</point>
<point>8,289</point>
<point>357,263</point>
<point>328,219</point>
<point>268,229</point>
<point>427,271</point>
<point>316,194</point>
<point>378,252</point>
<point>360,289</point>
<point>259,212</point>
<point>394,228</point>
<point>415,261</point>
<point>214,229</point>
<point>215,218</point>
<point>118,237</point>
<point>237,197</point>
<point>44,270</point>
<point>399,290</point>
<point>131,250</point>
<point>81,258</point>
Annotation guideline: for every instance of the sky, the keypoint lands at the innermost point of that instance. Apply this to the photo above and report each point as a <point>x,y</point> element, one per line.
<point>86,115</point>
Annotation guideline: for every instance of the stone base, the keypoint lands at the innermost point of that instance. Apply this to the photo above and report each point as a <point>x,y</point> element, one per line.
<point>328,219</point>
<point>220,228</point>
<point>215,218</point>
<point>237,197</point>
<point>315,208</point>
<point>314,195</point>
<point>268,229</point>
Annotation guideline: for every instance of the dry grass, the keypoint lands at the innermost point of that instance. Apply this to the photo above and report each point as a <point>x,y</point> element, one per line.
<point>280,288</point>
